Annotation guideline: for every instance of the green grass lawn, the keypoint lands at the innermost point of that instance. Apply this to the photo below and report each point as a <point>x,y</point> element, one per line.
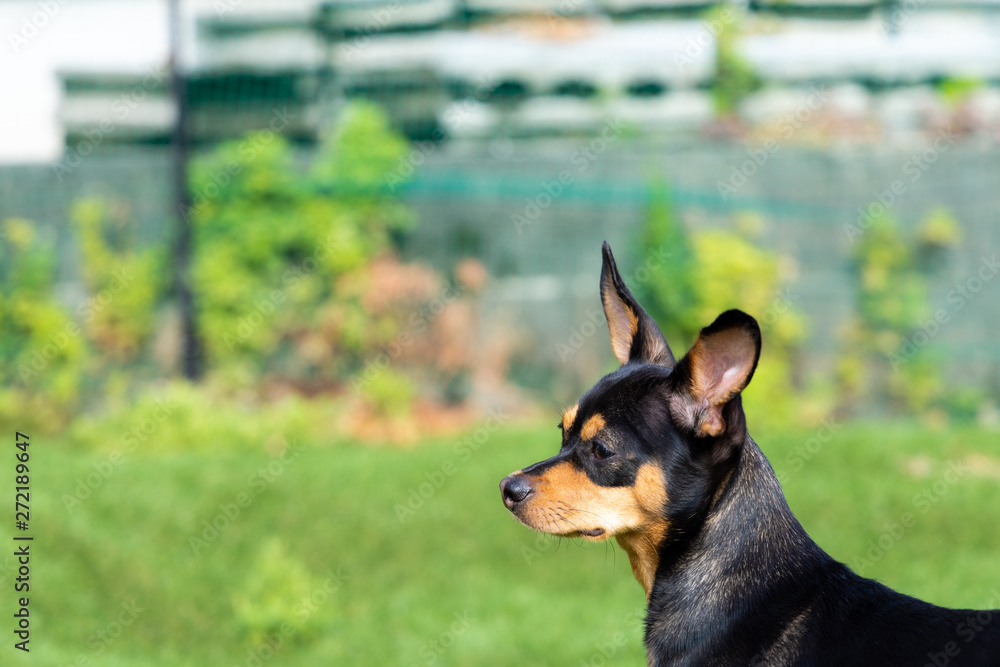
<point>321,545</point>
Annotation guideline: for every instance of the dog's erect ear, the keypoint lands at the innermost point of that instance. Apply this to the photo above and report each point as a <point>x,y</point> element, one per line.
<point>634,334</point>
<point>717,368</point>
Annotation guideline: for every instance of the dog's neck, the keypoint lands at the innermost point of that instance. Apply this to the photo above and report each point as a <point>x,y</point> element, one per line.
<point>642,548</point>
<point>707,581</point>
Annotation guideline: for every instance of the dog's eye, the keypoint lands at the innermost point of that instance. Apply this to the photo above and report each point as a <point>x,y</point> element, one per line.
<point>600,451</point>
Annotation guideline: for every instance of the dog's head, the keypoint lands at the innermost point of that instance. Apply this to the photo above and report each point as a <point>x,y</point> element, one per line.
<point>646,446</point>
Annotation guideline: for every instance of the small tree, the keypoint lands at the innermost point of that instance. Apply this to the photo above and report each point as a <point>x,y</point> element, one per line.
<point>668,294</point>
<point>709,272</point>
<point>274,243</point>
<point>880,363</point>
<point>734,76</point>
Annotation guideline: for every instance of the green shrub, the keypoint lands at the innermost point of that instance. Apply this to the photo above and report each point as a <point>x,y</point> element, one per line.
<point>389,393</point>
<point>891,303</point>
<point>42,350</point>
<point>669,293</point>
<point>49,354</point>
<point>733,272</point>
<point>956,90</point>
<point>273,243</point>
<point>181,417</point>
<point>275,599</point>
<point>937,235</point>
<point>124,284</point>
<point>734,76</point>
<point>710,271</point>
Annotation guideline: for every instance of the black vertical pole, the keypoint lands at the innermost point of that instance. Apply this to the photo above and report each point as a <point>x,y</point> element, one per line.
<point>191,354</point>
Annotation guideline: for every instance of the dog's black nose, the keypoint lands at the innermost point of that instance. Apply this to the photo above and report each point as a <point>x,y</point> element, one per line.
<point>514,488</point>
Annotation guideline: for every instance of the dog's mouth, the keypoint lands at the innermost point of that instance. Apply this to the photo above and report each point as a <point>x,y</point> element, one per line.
<point>594,533</point>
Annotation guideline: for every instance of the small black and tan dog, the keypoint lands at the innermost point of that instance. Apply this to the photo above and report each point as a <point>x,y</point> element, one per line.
<point>657,455</point>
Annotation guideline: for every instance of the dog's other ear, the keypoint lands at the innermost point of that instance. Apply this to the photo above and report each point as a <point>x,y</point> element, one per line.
<point>716,369</point>
<point>634,334</point>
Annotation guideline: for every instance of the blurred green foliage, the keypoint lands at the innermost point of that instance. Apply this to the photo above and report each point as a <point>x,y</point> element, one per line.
<point>956,90</point>
<point>180,417</point>
<point>937,235</point>
<point>124,285</point>
<point>390,393</point>
<point>880,365</point>
<point>886,359</point>
<point>299,292</point>
<point>891,294</point>
<point>42,351</point>
<point>284,274</point>
<point>734,76</point>
<point>273,241</point>
<point>734,272</point>
<point>713,270</point>
<point>669,293</point>
<point>276,597</point>
<point>54,355</point>
<point>939,229</point>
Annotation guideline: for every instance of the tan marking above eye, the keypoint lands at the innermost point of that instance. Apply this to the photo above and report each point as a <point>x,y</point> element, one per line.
<point>569,416</point>
<point>591,427</point>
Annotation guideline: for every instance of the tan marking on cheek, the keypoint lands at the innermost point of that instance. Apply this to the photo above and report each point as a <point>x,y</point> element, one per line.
<point>651,489</point>
<point>590,427</point>
<point>569,416</point>
<point>642,544</point>
<point>566,501</point>
<point>616,509</point>
<point>566,493</point>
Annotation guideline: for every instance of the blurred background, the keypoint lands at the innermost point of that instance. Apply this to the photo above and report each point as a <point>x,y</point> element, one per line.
<point>288,287</point>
